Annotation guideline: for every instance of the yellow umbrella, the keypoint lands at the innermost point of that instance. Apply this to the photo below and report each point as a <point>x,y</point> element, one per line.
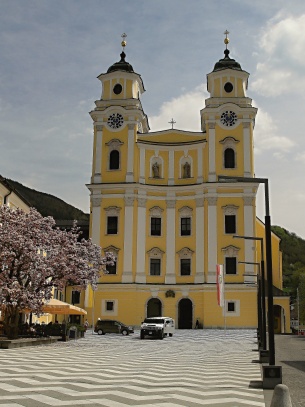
<point>59,307</point>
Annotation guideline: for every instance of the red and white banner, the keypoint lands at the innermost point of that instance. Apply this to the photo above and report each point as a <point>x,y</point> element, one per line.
<point>220,285</point>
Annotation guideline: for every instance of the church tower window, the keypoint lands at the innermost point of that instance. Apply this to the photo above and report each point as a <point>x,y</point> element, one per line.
<point>114,160</point>
<point>229,158</point>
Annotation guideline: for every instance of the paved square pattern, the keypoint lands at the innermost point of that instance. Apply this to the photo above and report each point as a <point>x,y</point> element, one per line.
<point>193,368</point>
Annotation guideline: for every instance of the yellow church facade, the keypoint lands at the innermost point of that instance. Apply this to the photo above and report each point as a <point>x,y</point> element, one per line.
<point>158,204</point>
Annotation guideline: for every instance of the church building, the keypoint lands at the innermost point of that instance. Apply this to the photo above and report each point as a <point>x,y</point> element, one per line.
<point>159,204</point>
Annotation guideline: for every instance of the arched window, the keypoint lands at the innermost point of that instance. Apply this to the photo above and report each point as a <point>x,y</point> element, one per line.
<point>114,160</point>
<point>229,158</point>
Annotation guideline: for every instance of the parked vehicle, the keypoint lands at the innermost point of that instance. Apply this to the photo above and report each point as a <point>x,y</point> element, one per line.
<point>107,326</point>
<point>157,327</point>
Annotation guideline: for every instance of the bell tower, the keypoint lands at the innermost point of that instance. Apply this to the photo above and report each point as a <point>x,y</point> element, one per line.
<point>229,118</point>
<point>117,118</point>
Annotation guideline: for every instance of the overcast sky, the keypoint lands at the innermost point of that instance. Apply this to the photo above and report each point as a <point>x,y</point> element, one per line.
<point>52,51</point>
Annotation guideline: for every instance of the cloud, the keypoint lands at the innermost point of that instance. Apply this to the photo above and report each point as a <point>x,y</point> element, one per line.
<point>281,69</point>
<point>267,136</point>
<point>301,157</point>
<point>185,110</point>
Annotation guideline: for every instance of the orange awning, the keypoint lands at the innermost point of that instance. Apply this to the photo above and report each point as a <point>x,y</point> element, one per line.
<point>59,307</point>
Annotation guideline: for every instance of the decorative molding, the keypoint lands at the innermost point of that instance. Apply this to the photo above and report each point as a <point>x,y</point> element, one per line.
<point>229,141</point>
<point>230,251</point>
<point>111,249</point>
<point>170,294</point>
<point>155,252</point>
<point>211,125</point>
<point>130,126</point>
<point>185,211</point>
<point>212,200</point>
<point>112,210</point>
<point>142,202</point>
<point>96,201</point>
<point>199,202</point>
<point>246,125</point>
<point>185,253</point>
<point>230,209</point>
<point>129,200</point>
<point>99,127</point>
<point>171,203</point>
<point>114,143</point>
<point>248,200</point>
<point>156,211</point>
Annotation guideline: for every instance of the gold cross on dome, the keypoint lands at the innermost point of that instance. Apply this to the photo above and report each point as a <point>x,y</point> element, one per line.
<point>124,42</point>
<point>172,122</point>
<point>226,40</point>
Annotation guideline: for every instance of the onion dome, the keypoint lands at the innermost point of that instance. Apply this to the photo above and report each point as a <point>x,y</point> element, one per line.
<point>122,65</point>
<point>227,62</point>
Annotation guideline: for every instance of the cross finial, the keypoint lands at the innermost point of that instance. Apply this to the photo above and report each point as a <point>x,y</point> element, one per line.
<point>124,42</point>
<point>172,122</point>
<point>226,40</point>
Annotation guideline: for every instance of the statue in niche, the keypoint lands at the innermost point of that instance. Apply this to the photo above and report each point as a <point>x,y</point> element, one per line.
<point>156,170</point>
<point>186,170</point>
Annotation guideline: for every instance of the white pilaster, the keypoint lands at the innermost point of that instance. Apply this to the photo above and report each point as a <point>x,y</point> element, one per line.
<point>141,240</point>
<point>199,276</point>
<point>212,153</point>
<point>171,169</point>
<point>247,149</point>
<point>142,166</point>
<point>97,176</point>
<point>130,153</point>
<point>128,240</point>
<point>212,239</point>
<point>199,166</point>
<point>250,245</point>
<point>170,276</point>
<point>96,220</point>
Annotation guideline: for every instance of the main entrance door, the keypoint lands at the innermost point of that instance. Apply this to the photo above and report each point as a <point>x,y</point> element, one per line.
<point>154,308</point>
<point>185,314</point>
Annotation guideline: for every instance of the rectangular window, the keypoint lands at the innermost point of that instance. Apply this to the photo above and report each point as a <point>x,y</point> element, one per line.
<point>111,269</point>
<point>230,224</point>
<point>230,306</point>
<point>109,305</point>
<point>231,265</point>
<point>185,226</point>
<point>112,225</point>
<point>155,226</point>
<point>75,297</point>
<point>155,267</point>
<point>185,267</point>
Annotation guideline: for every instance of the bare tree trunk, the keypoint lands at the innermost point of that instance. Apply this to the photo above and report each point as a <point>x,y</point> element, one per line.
<point>11,319</point>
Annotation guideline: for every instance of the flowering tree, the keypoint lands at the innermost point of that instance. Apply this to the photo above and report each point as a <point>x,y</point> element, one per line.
<point>35,257</point>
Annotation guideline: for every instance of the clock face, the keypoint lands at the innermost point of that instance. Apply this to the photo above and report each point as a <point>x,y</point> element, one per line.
<point>115,120</point>
<point>228,118</point>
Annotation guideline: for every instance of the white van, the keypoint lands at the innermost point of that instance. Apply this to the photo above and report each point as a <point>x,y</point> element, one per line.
<point>157,327</point>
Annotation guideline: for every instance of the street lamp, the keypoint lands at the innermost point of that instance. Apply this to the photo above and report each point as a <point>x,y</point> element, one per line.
<point>259,294</point>
<point>274,373</point>
<point>263,296</point>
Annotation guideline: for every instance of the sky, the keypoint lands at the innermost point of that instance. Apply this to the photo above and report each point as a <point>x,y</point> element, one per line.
<point>51,52</point>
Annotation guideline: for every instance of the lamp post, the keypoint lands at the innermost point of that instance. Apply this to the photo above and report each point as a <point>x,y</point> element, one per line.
<point>272,376</point>
<point>263,295</point>
<point>259,294</point>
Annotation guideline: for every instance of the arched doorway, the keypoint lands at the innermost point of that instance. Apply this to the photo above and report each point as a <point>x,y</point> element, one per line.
<point>154,308</point>
<point>185,314</point>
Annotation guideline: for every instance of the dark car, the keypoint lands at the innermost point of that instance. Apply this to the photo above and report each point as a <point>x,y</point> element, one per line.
<point>107,326</point>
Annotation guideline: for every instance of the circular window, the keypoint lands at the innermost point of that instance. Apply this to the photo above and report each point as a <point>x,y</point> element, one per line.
<point>228,87</point>
<point>117,89</point>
